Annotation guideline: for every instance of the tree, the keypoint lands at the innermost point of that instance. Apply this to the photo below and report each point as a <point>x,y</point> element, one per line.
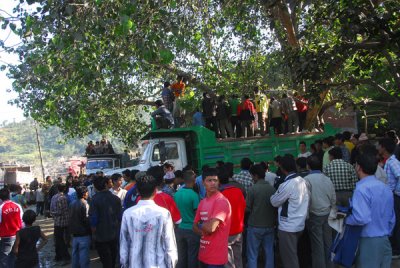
<point>88,65</point>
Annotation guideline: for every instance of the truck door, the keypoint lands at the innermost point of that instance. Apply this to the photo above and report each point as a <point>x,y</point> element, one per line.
<point>171,151</point>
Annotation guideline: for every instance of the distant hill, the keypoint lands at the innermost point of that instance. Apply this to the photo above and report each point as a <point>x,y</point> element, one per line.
<point>18,144</point>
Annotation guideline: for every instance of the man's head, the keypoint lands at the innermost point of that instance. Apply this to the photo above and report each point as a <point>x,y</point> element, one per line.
<point>116,180</point>
<point>100,173</point>
<point>48,179</point>
<point>189,177</point>
<point>219,164</point>
<point>301,163</point>
<point>61,187</point>
<point>4,194</point>
<point>257,172</point>
<point>157,172</point>
<point>229,167</point>
<point>327,142</point>
<point>386,146</point>
<point>256,90</point>
<point>210,180</point>
<point>223,174</point>
<point>146,186</point>
<point>288,164</point>
<point>35,179</point>
<point>126,175</point>
<point>167,84</point>
<point>179,78</point>
<point>391,134</point>
<point>314,163</point>
<point>335,153</point>
<point>82,192</point>
<point>168,167</point>
<point>318,145</point>
<point>245,163</point>
<point>346,135</point>
<point>29,217</point>
<point>302,147</point>
<point>366,163</point>
<point>158,103</point>
<point>339,139</point>
<point>100,183</point>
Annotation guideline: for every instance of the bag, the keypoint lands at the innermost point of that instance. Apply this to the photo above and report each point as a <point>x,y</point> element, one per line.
<point>345,246</point>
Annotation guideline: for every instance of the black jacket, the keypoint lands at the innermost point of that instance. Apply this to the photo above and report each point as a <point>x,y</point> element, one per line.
<point>78,218</point>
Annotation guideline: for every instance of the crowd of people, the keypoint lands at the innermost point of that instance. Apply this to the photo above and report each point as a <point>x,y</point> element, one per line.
<point>176,218</point>
<point>234,118</point>
<point>103,146</point>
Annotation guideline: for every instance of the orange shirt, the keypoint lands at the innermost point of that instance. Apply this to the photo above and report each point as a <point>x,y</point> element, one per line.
<point>178,88</point>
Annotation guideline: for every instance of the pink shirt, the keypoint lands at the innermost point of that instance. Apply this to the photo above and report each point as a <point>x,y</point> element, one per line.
<point>214,247</point>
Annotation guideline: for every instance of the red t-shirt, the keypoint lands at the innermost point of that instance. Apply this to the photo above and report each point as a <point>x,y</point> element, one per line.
<point>238,206</point>
<point>166,201</point>
<point>302,107</point>
<point>214,247</point>
<point>10,218</point>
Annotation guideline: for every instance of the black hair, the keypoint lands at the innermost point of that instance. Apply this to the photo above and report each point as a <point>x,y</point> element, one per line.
<point>204,167</point>
<point>188,176</point>
<point>339,136</point>
<point>179,173</point>
<point>288,164</point>
<point>81,191</point>
<point>389,145</point>
<point>245,163</point>
<point>223,175</point>
<point>157,172</point>
<point>100,183</point>
<point>265,165</point>
<point>303,142</point>
<point>229,167</point>
<point>328,140</point>
<point>116,176</point>
<point>168,165</point>
<point>391,134</point>
<point>29,217</point>
<point>158,103</point>
<point>368,162</point>
<point>318,141</point>
<point>336,153</point>
<point>258,170</point>
<point>219,163</point>
<point>314,162</point>
<point>126,172</point>
<point>61,187</point>
<point>246,96</point>
<point>167,84</point>
<point>146,185</point>
<point>4,194</point>
<point>132,175</point>
<point>313,147</point>
<point>346,135</point>
<point>301,162</point>
<point>209,172</point>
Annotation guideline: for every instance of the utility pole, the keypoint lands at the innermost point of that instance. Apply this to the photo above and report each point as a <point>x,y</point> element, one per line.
<point>40,151</point>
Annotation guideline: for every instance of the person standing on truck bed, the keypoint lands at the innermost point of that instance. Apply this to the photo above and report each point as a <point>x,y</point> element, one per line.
<point>162,116</point>
<point>209,112</point>
<point>246,113</point>
<point>261,101</point>
<point>235,122</point>
<point>223,115</point>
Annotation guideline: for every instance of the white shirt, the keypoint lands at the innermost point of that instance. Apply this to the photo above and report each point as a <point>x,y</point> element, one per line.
<point>121,193</point>
<point>292,198</point>
<point>306,154</point>
<point>270,178</point>
<point>147,237</point>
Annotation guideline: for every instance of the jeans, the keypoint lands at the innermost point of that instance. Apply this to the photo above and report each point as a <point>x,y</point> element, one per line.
<point>39,208</point>
<point>188,248</point>
<point>60,244</point>
<point>235,244</point>
<point>7,258</point>
<point>107,252</point>
<point>80,251</point>
<point>256,236</point>
<point>320,234</point>
<point>395,239</point>
<point>374,252</point>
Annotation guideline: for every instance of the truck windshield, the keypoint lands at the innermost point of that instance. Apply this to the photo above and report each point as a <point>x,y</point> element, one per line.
<point>99,164</point>
<point>171,152</point>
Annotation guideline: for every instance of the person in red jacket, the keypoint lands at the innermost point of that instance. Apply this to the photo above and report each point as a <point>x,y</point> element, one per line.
<point>10,223</point>
<point>246,114</point>
<point>236,198</point>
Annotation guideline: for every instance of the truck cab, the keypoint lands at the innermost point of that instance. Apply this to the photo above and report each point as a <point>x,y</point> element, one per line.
<point>103,162</point>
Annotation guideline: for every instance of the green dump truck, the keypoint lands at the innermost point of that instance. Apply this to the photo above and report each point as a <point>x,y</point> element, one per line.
<point>197,146</point>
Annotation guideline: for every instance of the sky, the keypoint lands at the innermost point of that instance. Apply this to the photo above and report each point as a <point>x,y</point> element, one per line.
<point>7,111</point>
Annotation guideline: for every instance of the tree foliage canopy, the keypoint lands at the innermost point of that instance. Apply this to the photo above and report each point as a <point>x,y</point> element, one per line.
<point>87,65</point>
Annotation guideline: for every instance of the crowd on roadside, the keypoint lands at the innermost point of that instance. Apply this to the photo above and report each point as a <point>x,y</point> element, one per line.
<point>233,117</point>
<point>103,146</point>
<point>216,218</point>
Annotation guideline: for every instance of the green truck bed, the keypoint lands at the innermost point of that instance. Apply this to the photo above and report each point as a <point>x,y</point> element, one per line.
<point>203,148</point>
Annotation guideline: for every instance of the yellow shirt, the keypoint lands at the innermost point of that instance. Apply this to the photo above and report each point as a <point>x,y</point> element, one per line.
<point>349,145</point>
<point>261,102</point>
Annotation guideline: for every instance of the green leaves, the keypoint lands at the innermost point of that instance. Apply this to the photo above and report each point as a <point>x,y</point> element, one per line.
<point>166,56</point>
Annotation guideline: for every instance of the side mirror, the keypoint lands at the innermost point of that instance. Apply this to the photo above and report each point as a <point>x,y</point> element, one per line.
<point>163,151</point>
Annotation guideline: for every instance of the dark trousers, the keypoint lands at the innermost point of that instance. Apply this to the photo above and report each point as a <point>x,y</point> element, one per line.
<point>395,239</point>
<point>288,248</point>
<point>302,120</point>
<point>211,123</point>
<point>39,208</point>
<point>60,245</point>
<point>188,248</point>
<point>236,126</point>
<point>276,123</point>
<point>107,252</point>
